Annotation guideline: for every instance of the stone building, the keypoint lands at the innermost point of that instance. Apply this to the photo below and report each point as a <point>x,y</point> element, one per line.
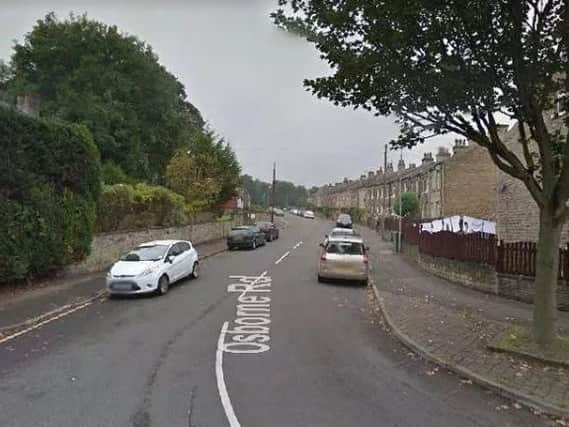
<point>459,184</point>
<point>517,214</point>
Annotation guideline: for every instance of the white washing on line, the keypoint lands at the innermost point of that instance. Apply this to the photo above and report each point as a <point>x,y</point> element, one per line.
<point>221,388</point>
<point>42,323</point>
<point>278,261</point>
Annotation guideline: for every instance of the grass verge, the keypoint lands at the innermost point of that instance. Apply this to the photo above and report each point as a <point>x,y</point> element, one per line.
<point>518,340</point>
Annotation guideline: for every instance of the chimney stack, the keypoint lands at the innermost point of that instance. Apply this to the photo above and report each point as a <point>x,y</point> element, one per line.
<point>442,154</point>
<point>401,165</point>
<point>459,145</point>
<point>370,174</point>
<point>427,158</point>
<point>412,165</point>
<point>389,168</point>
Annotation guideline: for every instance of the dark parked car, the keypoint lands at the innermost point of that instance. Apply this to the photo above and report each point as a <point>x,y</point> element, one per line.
<point>271,231</point>
<point>245,236</point>
<point>344,221</point>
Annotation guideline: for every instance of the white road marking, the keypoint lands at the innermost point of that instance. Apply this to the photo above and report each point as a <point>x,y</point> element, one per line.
<point>298,244</point>
<point>278,261</point>
<point>43,323</point>
<point>222,389</point>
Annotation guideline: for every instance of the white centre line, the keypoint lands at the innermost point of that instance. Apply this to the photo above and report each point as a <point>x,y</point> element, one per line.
<point>42,323</point>
<point>298,244</point>
<point>278,261</point>
<point>222,389</point>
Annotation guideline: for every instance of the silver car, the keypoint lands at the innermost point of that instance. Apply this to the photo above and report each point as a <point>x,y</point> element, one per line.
<point>343,257</point>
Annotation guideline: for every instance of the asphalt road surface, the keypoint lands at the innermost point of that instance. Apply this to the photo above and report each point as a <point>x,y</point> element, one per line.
<point>310,355</point>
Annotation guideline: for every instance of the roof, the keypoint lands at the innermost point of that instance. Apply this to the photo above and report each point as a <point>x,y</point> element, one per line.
<point>351,239</point>
<point>344,230</point>
<point>161,242</point>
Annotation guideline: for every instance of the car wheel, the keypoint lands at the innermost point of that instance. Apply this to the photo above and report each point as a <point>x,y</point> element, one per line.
<point>320,279</point>
<point>163,285</point>
<point>195,270</point>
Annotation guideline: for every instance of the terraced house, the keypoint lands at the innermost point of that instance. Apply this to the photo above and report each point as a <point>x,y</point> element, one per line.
<point>461,183</point>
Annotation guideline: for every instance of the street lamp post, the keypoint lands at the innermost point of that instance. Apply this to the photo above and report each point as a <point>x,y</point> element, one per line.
<point>400,212</point>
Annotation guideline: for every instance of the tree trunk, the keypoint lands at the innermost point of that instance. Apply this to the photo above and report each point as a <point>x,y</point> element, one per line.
<point>547,270</point>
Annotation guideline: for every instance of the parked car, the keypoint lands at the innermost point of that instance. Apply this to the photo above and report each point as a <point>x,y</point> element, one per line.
<point>245,236</point>
<point>344,221</point>
<point>343,258</point>
<point>340,232</point>
<point>153,267</point>
<point>308,214</point>
<point>270,229</point>
<point>279,212</point>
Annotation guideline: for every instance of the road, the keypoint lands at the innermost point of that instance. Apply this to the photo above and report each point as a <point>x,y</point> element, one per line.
<point>159,361</point>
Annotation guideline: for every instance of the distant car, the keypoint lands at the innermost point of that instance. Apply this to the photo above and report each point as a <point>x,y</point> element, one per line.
<point>308,214</point>
<point>279,212</point>
<point>344,221</point>
<point>271,231</point>
<point>153,267</point>
<point>343,258</point>
<point>245,236</point>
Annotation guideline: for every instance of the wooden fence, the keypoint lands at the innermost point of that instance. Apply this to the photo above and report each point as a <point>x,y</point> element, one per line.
<point>474,247</point>
<point>508,258</point>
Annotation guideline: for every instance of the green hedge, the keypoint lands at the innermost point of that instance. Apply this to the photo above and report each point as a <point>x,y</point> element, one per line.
<point>127,207</point>
<point>49,185</point>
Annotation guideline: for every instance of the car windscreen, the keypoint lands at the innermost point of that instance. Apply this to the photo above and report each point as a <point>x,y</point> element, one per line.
<point>146,253</point>
<point>345,248</point>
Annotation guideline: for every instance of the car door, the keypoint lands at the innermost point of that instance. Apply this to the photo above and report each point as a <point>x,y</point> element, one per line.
<point>187,258</point>
<point>176,265</point>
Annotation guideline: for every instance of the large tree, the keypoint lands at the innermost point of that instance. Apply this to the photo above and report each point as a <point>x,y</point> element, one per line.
<point>206,171</point>
<point>90,73</point>
<point>463,67</point>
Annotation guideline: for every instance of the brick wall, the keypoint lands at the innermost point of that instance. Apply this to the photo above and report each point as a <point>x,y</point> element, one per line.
<point>469,184</point>
<point>522,288</point>
<point>476,276</point>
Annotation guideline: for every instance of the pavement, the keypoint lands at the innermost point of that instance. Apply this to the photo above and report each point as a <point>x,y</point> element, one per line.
<point>320,356</point>
<point>452,325</point>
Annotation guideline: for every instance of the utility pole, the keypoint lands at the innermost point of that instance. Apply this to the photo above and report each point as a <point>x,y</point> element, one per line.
<point>400,204</point>
<point>385,160</point>
<point>273,192</point>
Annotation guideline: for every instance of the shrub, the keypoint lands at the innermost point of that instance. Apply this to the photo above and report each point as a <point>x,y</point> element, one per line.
<point>49,185</point>
<point>113,174</point>
<point>127,207</point>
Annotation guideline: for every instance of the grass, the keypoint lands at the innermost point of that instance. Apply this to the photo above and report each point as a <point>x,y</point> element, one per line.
<point>520,341</point>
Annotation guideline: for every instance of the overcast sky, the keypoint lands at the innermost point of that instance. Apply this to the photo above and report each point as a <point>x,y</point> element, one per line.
<point>245,75</point>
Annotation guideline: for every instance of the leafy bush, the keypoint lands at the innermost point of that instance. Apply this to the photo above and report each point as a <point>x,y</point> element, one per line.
<point>127,207</point>
<point>49,185</point>
<point>112,173</point>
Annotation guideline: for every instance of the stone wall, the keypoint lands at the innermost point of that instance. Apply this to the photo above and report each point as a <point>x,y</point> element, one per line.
<point>522,288</point>
<point>108,247</point>
<point>469,183</point>
<point>476,276</point>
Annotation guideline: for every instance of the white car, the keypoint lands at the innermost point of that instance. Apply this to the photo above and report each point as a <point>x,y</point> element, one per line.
<point>340,232</point>
<point>308,214</point>
<point>152,267</point>
<point>343,257</point>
